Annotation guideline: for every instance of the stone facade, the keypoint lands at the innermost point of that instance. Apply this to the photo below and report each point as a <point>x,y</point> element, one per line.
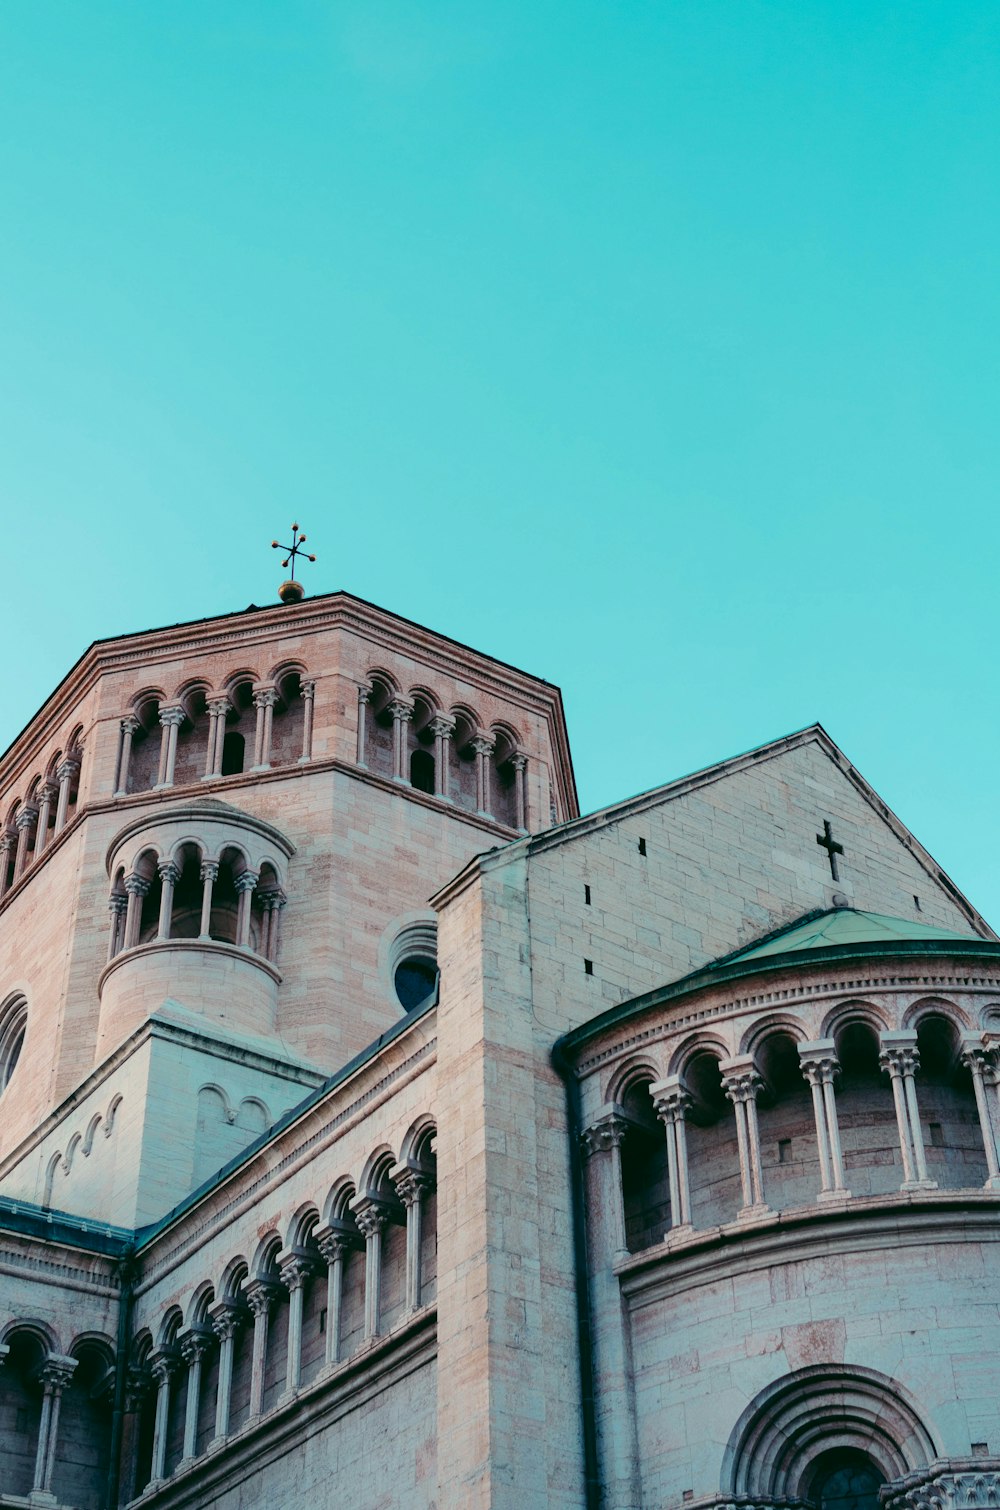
<point>375,1126</point>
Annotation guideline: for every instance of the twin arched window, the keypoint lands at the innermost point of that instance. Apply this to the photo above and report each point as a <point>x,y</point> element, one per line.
<point>13,1027</point>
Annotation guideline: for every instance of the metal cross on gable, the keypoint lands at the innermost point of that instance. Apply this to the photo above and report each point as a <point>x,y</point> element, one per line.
<point>833,849</point>
<point>295,549</point>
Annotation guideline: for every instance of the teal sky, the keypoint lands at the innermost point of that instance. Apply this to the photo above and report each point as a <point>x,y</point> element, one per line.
<point>650,346</point>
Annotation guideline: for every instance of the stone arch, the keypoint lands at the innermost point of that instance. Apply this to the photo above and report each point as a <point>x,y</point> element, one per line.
<point>234,1276</point>
<point>265,1259</point>
<point>201,1299</point>
<point>288,722</point>
<point>240,725</point>
<point>416,1146</point>
<point>302,1226</point>
<point>694,1046</point>
<point>374,1179</point>
<point>777,1439</point>
<point>778,1022</point>
<point>31,1343</point>
<point>13,1033</point>
<point>40,1331</point>
<point>936,1006</point>
<point>84,1443</point>
<point>192,736</point>
<point>989,1017</point>
<point>144,764</point>
<point>868,1130</point>
<point>789,1152</point>
<point>637,1069</point>
<point>420,742</point>
<point>855,1010</point>
<point>337,1206</point>
<point>946,1099</point>
<point>408,956</point>
<point>462,756</point>
<point>90,1134</point>
<point>170,1327</point>
<point>503,777</point>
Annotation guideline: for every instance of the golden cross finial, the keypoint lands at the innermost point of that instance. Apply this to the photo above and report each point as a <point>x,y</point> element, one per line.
<point>292,592</point>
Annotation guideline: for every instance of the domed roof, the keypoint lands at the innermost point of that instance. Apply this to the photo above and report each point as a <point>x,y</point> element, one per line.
<point>844,926</point>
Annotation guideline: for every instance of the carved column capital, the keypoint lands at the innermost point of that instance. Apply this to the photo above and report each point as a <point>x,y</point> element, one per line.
<point>365,694</point>
<point>608,1130</point>
<point>118,902</point>
<point>741,1080</point>
<point>483,744</point>
<point>441,726</point>
<point>518,760</point>
<point>169,872</point>
<point>67,769</point>
<point>899,1058</point>
<point>209,870</point>
<point>172,714</point>
<point>218,706</point>
<point>246,880</point>
<point>163,1366</point>
<point>27,816</point>
<point>138,1388</point>
<point>372,1215</point>
<point>226,1317</point>
<point>129,724</point>
<point>401,710</point>
<point>412,1184</point>
<point>671,1099</point>
<point>295,1269</point>
<point>56,1373</point>
<point>48,791</point>
<point>194,1345</point>
<point>136,885</point>
<point>307,689</point>
<point>265,697</point>
<point>7,841</point>
<point>261,1295</point>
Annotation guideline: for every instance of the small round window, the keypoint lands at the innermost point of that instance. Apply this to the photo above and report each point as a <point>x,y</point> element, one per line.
<point>415,981</point>
<point>13,1025</point>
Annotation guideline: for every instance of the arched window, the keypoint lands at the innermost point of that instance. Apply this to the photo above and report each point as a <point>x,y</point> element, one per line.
<point>645,1183</point>
<point>422,771</point>
<point>413,965</point>
<point>844,1478</point>
<point>868,1132</point>
<point>789,1154</point>
<point>13,1026</point>
<point>288,720</point>
<point>713,1157</point>
<point>953,1142</point>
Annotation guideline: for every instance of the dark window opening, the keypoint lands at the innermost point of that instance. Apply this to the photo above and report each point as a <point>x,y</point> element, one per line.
<point>846,1479</point>
<point>784,1150</point>
<point>586,895</point>
<point>233,751</point>
<point>588,967</point>
<point>916,902</point>
<point>415,982</point>
<point>937,1134</point>
<point>422,771</point>
<point>642,846</point>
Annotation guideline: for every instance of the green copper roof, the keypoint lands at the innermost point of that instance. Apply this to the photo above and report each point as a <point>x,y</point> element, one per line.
<point>842,925</point>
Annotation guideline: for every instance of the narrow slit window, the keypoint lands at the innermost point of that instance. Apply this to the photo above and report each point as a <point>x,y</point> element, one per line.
<point>588,967</point>
<point>586,895</point>
<point>642,846</point>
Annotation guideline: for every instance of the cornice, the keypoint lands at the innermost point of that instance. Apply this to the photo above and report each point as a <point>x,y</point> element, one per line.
<point>648,1029</point>
<point>258,626</point>
<point>890,1222</point>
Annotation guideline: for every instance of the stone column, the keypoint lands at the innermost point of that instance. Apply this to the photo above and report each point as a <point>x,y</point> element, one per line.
<point>171,719</point>
<point>194,1346</point>
<point>46,795</point>
<point>65,772</point>
<point>226,1321</point>
<point>484,748</point>
<point>261,1295</point>
<point>335,1243</point>
<point>412,1185</point>
<point>364,698</point>
<point>264,699</point>
<point>519,762</point>
<point>7,842</point>
<point>137,1389</point>
<point>117,904</point>
<point>170,874</point>
<point>606,1134</point>
<point>820,1068</point>
<point>742,1083</point>
<point>245,883</point>
<point>307,692</point>
<point>442,728</point>
<point>978,1061</point>
<point>672,1104</point>
<point>25,821</point>
<point>295,1269</point>
<point>209,876</point>
<point>55,1375</point>
<point>218,709</point>
<point>136,888</point>
<point>900,1059</point>
<point>129,727</point>
<point>402,712</point>
<point>163,1367</point>
<point>372,1217</point>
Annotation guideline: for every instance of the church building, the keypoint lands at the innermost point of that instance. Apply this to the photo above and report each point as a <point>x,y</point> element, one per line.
<point>376,1130</point>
